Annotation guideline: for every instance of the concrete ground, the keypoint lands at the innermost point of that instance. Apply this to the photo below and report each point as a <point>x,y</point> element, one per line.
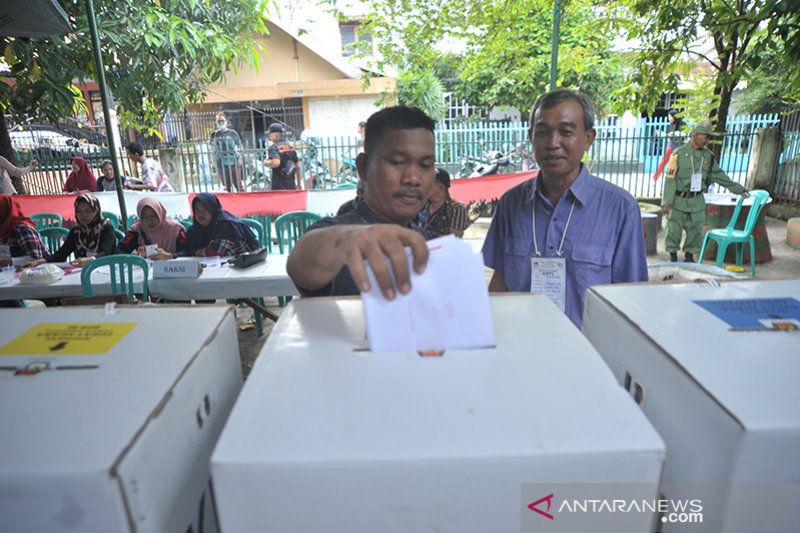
<point>785,264</point>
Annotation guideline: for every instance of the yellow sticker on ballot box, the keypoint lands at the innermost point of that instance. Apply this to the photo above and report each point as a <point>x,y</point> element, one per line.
<point>68,339</point>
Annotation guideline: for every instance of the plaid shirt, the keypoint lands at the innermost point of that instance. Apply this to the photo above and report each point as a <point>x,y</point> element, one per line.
<point>25,241</point>
<point>451,214</point>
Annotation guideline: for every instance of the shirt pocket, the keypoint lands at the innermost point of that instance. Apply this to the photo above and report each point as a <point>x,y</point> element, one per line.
<point>592,265</point>
<point>517,246</point>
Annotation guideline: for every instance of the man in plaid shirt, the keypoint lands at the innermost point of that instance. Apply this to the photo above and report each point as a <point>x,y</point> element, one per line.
<point>443,215</point>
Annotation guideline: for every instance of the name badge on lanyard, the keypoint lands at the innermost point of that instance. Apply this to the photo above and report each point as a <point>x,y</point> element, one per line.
<point>697,177</point>
<point>549,276</point>
<point>5,250</point>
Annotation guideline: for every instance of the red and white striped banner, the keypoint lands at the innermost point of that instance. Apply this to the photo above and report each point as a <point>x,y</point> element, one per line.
<point>322,202</point>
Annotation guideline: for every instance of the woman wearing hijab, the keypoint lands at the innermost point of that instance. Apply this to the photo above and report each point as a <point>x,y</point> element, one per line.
<point>154,227</point>
<point>81,179</point>
<point>90,237</point>
<point>216,231</point>
<point>18,232</point>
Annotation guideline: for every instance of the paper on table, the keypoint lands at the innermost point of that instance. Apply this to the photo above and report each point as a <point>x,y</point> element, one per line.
<point>447,307</point>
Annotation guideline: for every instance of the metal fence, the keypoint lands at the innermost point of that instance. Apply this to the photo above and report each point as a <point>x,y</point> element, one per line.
<point>786,183</point>
<point>626,156</point>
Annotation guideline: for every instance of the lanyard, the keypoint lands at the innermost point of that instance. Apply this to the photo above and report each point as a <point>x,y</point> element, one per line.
<point>691,159</point>
<point>560,250</point>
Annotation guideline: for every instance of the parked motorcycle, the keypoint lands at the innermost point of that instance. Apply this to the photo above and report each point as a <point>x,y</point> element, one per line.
<point>489,163</point>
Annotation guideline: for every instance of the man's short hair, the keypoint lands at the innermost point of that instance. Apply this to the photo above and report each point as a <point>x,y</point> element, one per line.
<point>443,177</point>
<point>396,118</point>
<point>135,148</point>
<point>106,162</point>
<point>553,98</point>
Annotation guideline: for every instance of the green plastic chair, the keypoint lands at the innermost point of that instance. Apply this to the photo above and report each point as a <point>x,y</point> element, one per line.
<point>187,222</point>
<point>257,228</point>
<point>728,235</point>
<point>119,233</point>
<point>290,227</point>
<point>46,220</point>
<point>112,217</point>
<point>121,267</point>
<point>132,220</point>
<point>346,185</point>
<point>53,237</point>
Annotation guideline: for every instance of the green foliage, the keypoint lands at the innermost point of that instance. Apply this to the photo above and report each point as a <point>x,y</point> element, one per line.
<point>422,90</point>
<point>676,39</point>
<point>495,52</point>
<point>158,55</point>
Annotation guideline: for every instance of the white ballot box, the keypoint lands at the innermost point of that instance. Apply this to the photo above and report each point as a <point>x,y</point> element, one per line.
<point>720,386</point>
<point>327,436</point>
<point>109,418</point>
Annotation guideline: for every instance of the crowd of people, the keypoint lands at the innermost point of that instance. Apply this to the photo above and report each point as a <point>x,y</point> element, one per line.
<point>559,232</point>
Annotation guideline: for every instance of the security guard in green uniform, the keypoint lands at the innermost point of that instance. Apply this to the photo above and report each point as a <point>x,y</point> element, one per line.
<point>690,171</point>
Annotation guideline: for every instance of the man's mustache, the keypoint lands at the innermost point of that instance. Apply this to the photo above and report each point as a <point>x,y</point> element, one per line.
<point>408,191</point>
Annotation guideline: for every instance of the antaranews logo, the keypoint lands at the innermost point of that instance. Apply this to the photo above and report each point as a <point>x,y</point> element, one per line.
<point>618,508</point>
<point>535,506</point>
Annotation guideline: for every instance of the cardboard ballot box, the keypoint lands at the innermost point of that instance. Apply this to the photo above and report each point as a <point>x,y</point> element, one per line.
<point>108,421</point>
<point>721,389</point>
<point>327,436</point>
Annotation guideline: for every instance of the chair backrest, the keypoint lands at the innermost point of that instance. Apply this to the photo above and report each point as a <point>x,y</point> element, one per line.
<point>257,228</point>
<point>290,227</point>
<point>46,220</point>
<point>760,199</point>
<point>187,222</point>
<point>346,185</point>
<point>120,235</point>
<point>54,237</point>
<point>121,273</point>
<point>112,217</point>
<point>131,220</point>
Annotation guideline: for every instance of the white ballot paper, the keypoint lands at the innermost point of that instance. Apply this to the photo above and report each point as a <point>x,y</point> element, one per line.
<point>447,307</point>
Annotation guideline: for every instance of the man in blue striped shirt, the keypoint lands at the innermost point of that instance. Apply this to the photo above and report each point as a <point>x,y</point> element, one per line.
<point>564,230</point>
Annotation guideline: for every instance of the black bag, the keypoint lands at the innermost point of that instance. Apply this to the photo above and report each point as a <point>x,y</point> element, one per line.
<point>249,259</point>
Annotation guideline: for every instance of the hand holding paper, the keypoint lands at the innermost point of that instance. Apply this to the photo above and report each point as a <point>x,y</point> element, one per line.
<point>448,306</point>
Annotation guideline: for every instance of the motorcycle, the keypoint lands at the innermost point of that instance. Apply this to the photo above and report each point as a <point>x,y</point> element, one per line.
<point>489,163</point>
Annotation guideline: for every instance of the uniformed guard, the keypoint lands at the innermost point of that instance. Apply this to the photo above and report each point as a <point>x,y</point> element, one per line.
<point>690,171</point>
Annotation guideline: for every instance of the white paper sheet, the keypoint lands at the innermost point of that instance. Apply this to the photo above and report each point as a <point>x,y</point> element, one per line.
<point>447,307</point>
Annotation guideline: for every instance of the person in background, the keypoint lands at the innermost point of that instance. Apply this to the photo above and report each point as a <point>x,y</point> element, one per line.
<point>398,168</point>
<point>9,171</point>
<point>91,237</point>
<point>18,232</point>
<point>362,127</point>
<point>154,227</point>
<point>287,172</point>
<point>216,231</point>
<point>442,215</point>
<point>673,135</point>
<point>227,146</point>
<point>564,230</point>
<point>691,169</point>
<point>154,177</point>
<point>106,182</point>
<point>81,179</point>
<point>350,205</point>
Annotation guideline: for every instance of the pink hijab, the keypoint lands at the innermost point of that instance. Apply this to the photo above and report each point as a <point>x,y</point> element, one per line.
<point>166,234</point>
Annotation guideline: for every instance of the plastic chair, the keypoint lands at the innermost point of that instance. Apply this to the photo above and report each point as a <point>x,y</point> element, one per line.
<point>187,222</point>
<point>728,235</point>
<point>346,185</point>
<point>53,237</point>
<point>120,235</point>
<point>121,268</point>
<point>257,228</point>
<point>112,217</point>
<point>132,220</point>
<point>46,220</point>
<point>291,226</point>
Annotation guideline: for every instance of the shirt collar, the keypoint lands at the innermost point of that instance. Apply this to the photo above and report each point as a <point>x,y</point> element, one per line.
<point>579,188</point>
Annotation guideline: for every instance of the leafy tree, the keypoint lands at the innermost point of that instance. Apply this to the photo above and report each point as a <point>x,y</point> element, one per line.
<point>159,55</point>
<point>423,90</point>
<point>500,48</point>
<point>677,37</point>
